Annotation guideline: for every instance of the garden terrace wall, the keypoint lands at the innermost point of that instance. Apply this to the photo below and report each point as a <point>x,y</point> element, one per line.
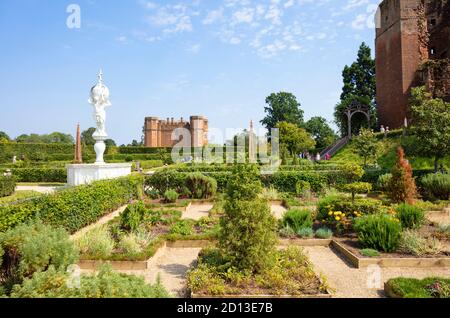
<point>74,208</point>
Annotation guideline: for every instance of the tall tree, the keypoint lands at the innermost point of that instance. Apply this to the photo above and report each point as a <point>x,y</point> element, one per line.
<point>322,133</point>
<point>294,139</point>
<point>86,137</point>
<point>367,146</point>
<point>4,137</point>
<point>360,85</point>
<point>282,107</point>
<point>430,125</point>
<point>110,143</point>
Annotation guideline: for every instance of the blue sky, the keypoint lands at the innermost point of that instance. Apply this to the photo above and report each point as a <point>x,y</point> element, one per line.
<point>173,58</point>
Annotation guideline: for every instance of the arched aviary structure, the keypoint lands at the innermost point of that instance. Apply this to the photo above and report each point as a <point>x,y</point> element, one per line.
<point>354,108</point>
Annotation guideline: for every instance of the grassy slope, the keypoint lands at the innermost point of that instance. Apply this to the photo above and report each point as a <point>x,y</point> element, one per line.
<point>19,195</point>
<point>388,155</point>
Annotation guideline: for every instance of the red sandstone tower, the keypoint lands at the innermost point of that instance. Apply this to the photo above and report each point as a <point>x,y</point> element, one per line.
<point>409,33</point>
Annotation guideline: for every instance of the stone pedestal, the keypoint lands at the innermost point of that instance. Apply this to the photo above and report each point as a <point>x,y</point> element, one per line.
<point>88,173</point>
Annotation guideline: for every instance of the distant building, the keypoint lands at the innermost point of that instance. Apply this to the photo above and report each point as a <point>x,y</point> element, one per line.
<point>158,133</point>
<point>412,49</point>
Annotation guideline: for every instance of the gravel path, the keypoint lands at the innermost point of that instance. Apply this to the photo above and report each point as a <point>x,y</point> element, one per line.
<point>439,217</point>
<point>40,189</point>
<point>350,282</point>
<point>278,210</point>
<point>197,211</point>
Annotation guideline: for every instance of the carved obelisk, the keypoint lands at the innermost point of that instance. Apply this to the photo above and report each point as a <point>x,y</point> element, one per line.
<point>78,156</point>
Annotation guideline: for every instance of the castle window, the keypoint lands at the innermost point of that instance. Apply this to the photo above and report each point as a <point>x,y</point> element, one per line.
<point>432,51</point>
<point>433,22</point>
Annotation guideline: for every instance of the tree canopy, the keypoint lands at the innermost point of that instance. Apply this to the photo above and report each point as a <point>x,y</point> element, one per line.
<point>55,137</point>
<point>282,107</point>
<point>360,85</point>
<point>4,137</point>
<point>430,125</point>
<point>86,137</point>
<point>294,139</point>
<point>322,133</point>
<point>367,146</point>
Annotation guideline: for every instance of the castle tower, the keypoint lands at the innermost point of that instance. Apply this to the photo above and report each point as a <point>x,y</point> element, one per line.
<point>199,131</point>
<point>152,132</point>
<point>401,46</point>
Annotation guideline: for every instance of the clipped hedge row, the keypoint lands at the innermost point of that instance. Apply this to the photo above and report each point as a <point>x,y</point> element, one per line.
<point>40,174</point>
<point>7,186</point>
<point>74,208</point>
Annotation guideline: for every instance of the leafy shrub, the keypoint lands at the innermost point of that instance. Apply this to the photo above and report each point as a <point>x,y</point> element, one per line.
<point>96,243</point>
<point>431,287</point>
<point>336,202</point>
<point>410,216</point>
<point>287,232</point>
<point>201,186</point>
<point>133,216</point>
<point>270,194</point>
<point>436,186</point>
<point>130,245</point>
<point>352,172</point>
<point>182,227</point>
<point>402,187</point>
<point>105,284</point>
<point>301,187</point>
<point>298,219</point>
<point>7,186</point>
<point>74,208</point>
<point>413,243</point>
<point>368,252</point>
<point>31,248</point>
<point>324,233</point>
<point>171,196</point>
<point>286,181</point>
<point>380,232</point>
<point>305,232</point>
<point>383,182</point>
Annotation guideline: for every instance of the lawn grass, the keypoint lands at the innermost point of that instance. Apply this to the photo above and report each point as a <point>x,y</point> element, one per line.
<point>387,157</point>
<point>19,195</point>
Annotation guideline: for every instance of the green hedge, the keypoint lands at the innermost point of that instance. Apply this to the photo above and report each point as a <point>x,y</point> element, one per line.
<point>7,186</point>
<point>74,208</point>
<point>40,174</point>
<point>431,287</point>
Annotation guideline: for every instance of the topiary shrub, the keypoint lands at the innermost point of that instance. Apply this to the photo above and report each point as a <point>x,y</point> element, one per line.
<point>298,219</point>
<point>7,186</point>
<point>402,187</point>
<point>380,232</point>
<point>436,186</point>
<point>171,196</point>
<point>247,235</point>
<point>357,188</point>
<point>410,216</point>
<point>201,186</point>
<point>31,248</point>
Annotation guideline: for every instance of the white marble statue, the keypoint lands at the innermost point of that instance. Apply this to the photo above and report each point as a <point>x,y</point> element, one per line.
<point>100,100</point>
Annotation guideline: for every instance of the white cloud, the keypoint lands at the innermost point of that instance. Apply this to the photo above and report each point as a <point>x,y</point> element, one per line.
<point>213,16</point>
<point>360,22</point>
<point>194,49</point>
<point>242,16</point>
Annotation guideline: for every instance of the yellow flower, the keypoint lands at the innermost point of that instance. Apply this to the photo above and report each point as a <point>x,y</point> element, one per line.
<point>338,218</point>
<point>330,213</point>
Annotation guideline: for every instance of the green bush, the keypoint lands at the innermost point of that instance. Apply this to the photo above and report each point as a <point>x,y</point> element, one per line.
<point>7,186</point>
<point>105,284</point>
<point>286,181</point>
<point>345,205</point>
<point>436,186</point>
<point>380,232</point>
<point>287,232</point>
<point>182,227</point>
<point>410,216</point>
<point>31,248</point>
<point>305,232</point>
<point>74,208</point>
<point>324,233</point>
<point>384,181</point>
<point>96,243</point>
<point>302,187</point>
<point>357,188</point>
<point>431,287</point>
<point>201,186</point>
<point>412,242</point>
<point>298,219</point>
<point>40,174</point>
<point>368,252</point>
<point>171,196</point>
<point>133,216</point>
